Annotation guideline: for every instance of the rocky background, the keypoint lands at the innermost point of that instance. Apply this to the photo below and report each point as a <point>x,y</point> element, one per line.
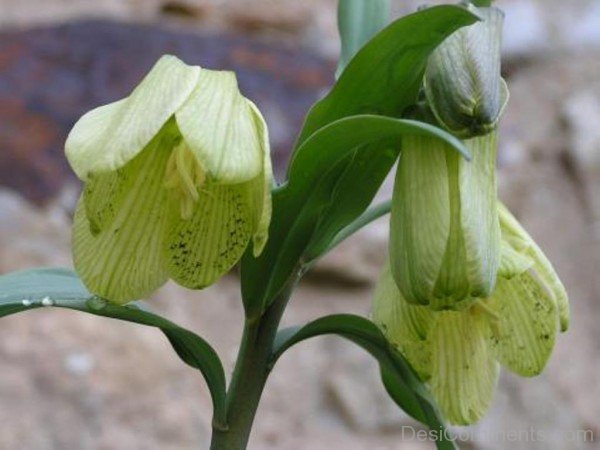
<point>68,381</point>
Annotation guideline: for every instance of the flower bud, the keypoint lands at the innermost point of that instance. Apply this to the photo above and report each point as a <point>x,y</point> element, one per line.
<point>462,83</point>
<point>444,234</point>
<point>177,182</point>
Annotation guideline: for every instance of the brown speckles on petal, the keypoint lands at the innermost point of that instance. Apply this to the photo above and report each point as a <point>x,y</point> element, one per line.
<point>202,249</point>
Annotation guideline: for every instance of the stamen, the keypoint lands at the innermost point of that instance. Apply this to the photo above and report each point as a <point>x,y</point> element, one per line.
<point>487,310</point>
<point>185,177</point>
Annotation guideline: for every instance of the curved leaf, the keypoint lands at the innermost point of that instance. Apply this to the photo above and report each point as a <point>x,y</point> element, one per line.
<point>400,380</point>
<point>299,204</point>
<point>385,75</point>
<point>370,215</point>
<point>36,288</point>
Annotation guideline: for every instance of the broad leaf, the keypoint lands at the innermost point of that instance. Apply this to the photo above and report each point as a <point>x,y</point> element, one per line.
<point>385,75</point>
<point>36,288</point>
<point>299,204</point>
<point>400,380</point>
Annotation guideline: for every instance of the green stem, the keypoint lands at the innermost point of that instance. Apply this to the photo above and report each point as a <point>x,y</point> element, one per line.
<point>250,375</point>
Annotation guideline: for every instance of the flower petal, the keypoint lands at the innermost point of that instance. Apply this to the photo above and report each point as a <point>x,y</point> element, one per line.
<point>405,326</point>
<point>523,336</point>
<point>479,214</point>
<point>465,372</point>
<point>420,218</point>
<point>512,262</point>
<point>218,125</point>
<point>542,265</point>
<point>108,137</point>
<point>201,249</point>
<point>104,193</point>
<point>453,284</point>
<point>261,194</point>
<point>122,261</point>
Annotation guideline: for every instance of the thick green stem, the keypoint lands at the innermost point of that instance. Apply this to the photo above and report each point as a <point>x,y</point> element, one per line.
<point>250,375</point>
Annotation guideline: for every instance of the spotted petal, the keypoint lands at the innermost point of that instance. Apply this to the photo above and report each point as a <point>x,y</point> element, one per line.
<point>465,372</point>
<point>108,137</point>
<point>405,326</point>
<point>542,265</point>
<point>122,261</point>
<point>523,336</point>
<point>218,125</point>
<point>201,249</point>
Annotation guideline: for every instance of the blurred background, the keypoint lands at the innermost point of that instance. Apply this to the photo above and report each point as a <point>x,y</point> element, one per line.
<point>70,382</point>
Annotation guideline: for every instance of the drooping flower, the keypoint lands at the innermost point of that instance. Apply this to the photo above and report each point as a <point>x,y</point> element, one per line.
<point>177,182</point>
<point>463,85</point>
<point>459,353</point>
<point>445,235</point>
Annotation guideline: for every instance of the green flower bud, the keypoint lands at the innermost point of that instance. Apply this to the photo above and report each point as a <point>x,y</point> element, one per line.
<point>177,181</point>
<point>458,353</point>
<point>462,80</point>
<point>445,235</point>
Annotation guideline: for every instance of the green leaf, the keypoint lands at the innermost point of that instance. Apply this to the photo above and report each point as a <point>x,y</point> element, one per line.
<point>483,3</point>
<point>313,178</point>
<point>358,21</point>
<point>370,215</point>
<point>400,380</point>
<point>385,75</point>
<point>32,289</point>
<point>353,192</point>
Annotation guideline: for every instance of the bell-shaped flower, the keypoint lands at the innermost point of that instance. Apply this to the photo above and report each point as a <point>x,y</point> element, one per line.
<point>444,233</point>
<point>177,182</point>
<point>462,83</point>
<point>459,353</point>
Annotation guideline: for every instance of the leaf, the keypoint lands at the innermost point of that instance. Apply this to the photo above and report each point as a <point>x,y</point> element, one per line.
<point>35,288</point>
<point>370,215</point>
<point>353,192</point>
<point>400,380</point>
<point>358,21</point>
<point>385,75</point>
<point>313,176</point>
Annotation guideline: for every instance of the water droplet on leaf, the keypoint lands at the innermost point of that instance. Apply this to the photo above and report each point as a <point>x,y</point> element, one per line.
<point>96,303</point>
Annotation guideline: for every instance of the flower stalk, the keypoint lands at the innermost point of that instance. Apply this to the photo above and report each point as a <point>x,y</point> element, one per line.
<point>250,374</point>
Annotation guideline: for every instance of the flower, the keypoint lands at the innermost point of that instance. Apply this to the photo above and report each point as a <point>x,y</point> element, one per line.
<point>177,181</point>
<point>462,83</point>
<point>444,231</point>
<point>459,353</point>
